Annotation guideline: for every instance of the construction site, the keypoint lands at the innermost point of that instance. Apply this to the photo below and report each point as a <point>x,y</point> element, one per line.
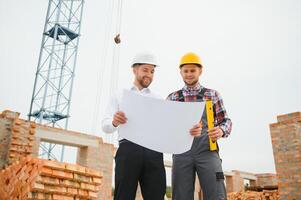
<point>33,149</point>
<point>26,176</point>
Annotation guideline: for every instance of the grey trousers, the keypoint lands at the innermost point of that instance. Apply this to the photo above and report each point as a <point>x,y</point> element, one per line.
<point>208,167</point>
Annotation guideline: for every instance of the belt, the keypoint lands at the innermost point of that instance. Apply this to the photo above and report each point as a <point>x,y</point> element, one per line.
<point>123,141</point>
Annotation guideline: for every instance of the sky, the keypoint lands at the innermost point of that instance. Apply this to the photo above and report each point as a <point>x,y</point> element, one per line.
<point>250,51</point>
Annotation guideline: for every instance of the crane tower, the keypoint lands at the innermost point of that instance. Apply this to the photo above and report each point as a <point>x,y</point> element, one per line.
<point>51,98</point>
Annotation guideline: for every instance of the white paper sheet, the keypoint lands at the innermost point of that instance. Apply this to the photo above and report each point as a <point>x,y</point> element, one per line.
<point>157,124</point>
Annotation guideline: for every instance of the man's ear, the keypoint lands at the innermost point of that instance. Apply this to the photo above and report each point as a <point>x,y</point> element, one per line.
<point>201,70</point>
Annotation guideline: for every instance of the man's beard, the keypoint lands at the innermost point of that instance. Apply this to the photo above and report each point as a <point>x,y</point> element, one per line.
<point>191,84</point>
<point>144,85</point>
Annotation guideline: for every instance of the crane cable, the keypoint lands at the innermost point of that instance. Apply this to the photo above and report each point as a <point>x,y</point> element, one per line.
<point>116,56</point>
<point>102,69</point>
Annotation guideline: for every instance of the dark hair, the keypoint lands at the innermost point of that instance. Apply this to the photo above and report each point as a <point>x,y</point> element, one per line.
<point>200,66</point>
<point>138,64</point>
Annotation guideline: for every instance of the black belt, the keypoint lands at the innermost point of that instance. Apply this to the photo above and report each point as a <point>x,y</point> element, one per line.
<point>123,141</point>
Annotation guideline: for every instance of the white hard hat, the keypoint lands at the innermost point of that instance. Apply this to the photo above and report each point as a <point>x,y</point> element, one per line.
<point>145,58</point>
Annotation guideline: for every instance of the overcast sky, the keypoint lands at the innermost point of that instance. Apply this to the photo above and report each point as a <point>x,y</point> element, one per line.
<point>250,51</point>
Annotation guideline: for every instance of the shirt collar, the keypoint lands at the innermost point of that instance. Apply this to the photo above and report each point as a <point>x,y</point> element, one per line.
<point>197,87</point>
<point>144,90</point>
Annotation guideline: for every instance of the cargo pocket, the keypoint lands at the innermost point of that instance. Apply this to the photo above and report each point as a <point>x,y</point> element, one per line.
<point>220,186</point>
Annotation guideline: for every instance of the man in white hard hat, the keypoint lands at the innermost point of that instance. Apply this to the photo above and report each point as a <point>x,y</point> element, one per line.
<point>134,163</point>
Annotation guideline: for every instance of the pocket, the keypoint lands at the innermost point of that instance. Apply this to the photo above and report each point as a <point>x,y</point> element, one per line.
<point>220,186</point>
<point>220,176</point>
<point>120,164</point>
<point>119,150</point>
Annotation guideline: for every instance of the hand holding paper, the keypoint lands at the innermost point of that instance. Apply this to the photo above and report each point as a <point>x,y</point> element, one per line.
<point>196,130</point>
<point>158,124</point>
<point>119,118</point>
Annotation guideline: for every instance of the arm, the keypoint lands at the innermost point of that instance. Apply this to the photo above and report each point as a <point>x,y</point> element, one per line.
<point>223,124</point>
<point>113,117</point>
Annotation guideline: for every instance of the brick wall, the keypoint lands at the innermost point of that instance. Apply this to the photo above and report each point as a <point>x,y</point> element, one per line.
<point>286,141</point>
<point>5,137</point>
<point>100,158</point>
<point>34,178</point>
<point>19,138</point>
<point>16,138</point>
<point>266,179</point>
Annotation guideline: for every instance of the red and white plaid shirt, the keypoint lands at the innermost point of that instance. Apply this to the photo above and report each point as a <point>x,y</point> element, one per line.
<point>221,118</point>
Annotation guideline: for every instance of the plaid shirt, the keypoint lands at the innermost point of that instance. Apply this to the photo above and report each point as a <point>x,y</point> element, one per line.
<point>221,118</point>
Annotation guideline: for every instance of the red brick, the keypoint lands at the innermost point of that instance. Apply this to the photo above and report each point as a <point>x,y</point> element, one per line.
<point>62,174</point>
<point>54,164</point>
<point>75,168</point>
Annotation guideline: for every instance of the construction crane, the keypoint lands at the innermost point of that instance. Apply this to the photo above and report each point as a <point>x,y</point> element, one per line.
<point>52,92</point>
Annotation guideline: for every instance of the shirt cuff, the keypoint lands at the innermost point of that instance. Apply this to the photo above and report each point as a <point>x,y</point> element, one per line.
<point>108,127</point>
<point>225,133</point>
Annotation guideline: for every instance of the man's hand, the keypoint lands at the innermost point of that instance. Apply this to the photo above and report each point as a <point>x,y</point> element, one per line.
<point>119,118</point>
<point>215,133</point>
<point>196,130</point>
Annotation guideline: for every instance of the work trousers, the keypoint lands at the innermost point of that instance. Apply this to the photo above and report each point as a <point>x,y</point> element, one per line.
<point>133,164</point>
<point>208,167</point>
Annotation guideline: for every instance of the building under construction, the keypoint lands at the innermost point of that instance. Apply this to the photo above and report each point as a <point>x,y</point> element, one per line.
<point>25,176</point>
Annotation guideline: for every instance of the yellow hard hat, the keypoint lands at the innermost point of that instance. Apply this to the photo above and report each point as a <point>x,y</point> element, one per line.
<point>191,58</point>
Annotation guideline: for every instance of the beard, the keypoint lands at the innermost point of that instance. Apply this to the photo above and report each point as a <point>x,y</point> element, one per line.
<point>144,82</point>
<point>191,84</point>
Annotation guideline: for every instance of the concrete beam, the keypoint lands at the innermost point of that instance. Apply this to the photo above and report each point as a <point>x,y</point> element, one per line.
<point>248,176</point>
<point>228,173</point>
<point>65,138</point>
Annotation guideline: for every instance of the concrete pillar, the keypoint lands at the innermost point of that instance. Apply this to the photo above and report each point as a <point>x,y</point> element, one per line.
<point>7,119</point>
<point>237,181</point>
<point>99,158</point>
<point>252,183</point>
<point>36,147</point>
<point>5,137</point>
<point>229,184</point>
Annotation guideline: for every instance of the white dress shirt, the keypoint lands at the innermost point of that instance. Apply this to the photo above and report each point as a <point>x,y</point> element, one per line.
<point>113,107</point>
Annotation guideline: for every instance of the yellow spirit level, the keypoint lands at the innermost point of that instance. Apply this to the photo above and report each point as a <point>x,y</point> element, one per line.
<point>210,122</point>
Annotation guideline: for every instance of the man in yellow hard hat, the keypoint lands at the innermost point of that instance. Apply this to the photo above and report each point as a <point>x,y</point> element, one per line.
<point>199,159</point>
